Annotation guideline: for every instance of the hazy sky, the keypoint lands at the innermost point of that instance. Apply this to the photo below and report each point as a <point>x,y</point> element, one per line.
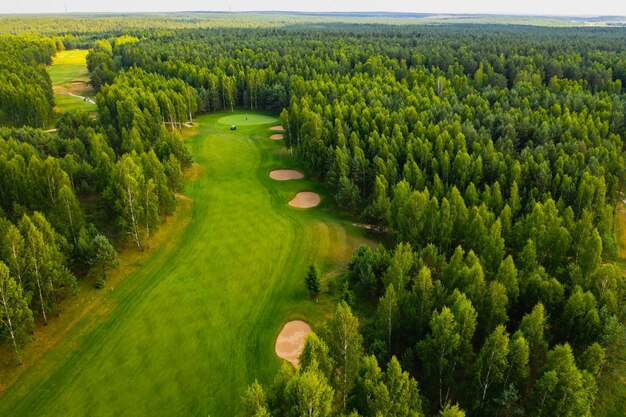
<point>552,7</point>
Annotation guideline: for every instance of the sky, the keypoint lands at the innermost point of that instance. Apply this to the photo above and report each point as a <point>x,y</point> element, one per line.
<point>533,7</point>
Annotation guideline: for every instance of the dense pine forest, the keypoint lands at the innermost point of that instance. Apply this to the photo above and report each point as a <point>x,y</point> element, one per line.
<point>490,157</point>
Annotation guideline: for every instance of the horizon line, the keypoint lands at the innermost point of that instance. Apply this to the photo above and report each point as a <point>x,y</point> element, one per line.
<point>327,12</point>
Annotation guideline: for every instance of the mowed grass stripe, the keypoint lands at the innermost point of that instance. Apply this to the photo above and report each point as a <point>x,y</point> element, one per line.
<point>68,66</point>
<point>196,324</point>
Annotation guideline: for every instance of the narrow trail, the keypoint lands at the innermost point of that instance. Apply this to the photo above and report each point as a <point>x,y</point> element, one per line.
<point>87,99</point>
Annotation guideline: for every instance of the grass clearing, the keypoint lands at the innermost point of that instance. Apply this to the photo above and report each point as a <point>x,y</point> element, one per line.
<point>67,103</point>
<point>196,322</point>
<point>70,76</point>
<point>245,119</point>
<point>68,66</point>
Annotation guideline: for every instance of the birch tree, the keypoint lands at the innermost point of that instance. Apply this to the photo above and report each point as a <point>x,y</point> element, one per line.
<point>15,316</point>
<point>439,350</point>
<point>14,253</point>
<point>345,347</point>
<point>492,361</point>
<point>387,313</point>
<point>38,281</point>
<point>127,196</point>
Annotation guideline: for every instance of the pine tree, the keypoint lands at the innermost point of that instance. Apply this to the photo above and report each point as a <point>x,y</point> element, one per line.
<point>312,281</point>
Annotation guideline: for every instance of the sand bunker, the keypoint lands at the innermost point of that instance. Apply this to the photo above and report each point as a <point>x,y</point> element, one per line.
<point>277,136</point>
<point>286,174</point>
<point>290,341</point>
<point>305,199</point>
<point>277,128</point>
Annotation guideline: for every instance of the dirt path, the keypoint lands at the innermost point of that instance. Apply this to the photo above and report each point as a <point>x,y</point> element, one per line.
<point>87,99</point>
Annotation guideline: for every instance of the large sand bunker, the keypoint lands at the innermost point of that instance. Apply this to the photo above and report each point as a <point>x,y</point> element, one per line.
<point>305,199</point>
<point>277,128</point>
<point>290,341</point>
<point>286,174</point>
<point>277,136</point>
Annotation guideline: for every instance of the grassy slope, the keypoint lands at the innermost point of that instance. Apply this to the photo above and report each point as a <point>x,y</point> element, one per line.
<point>190,329</point>
<point>69,74</point>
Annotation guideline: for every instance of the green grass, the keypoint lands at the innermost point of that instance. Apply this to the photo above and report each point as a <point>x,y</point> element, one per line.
<point>68,66</point>
<point>245,119</point>
<point>67,103</point>
<point>69,74</point>
<point>196,323</point>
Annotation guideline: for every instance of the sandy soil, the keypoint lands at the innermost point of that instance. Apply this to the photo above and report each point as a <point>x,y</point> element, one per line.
<point>76,87</point>
<point>305,199</point>
<point>277,136</point>
<point>277,128</point>
<point>286,174</point>
<point>290,341</point>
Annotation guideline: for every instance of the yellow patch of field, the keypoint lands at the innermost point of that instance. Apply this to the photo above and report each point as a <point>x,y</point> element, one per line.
<point>71,57</point>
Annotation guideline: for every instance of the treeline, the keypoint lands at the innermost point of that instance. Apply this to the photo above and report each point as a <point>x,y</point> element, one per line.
<point>260,68</point>
<point>25,88</point>
<point>63,193</point>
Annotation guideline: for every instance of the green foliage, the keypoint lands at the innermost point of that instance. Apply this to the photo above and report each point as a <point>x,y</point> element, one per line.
<point>563,390</point>
<point>312,281</point>
<point>26,93</point>
<point>493,155</point>
<point>345,346</point>
<point>16,319</point>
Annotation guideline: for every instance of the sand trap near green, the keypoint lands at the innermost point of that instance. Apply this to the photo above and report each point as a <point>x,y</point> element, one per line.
<point>286,174</point>
<point>196,322</point>
<point>305,199</point>
<point>290,341</point>
<point>249,120</point>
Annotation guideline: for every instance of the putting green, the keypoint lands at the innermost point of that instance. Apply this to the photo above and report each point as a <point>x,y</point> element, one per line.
<point>249,120</point>
<point>197,322</point>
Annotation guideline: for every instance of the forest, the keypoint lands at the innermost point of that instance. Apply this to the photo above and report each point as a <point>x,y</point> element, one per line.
<point>491,157</point>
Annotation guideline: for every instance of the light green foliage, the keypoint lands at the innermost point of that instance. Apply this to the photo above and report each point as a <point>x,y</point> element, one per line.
<point>581,319</point>
<point>387,314</point>
<point>16,319</point>
<point>309,394</point>
<point>563,390</point>
<point>533,327</point>
<point>254,402</point>
<point>492,361</point>
<point>450,410</point>
<point>345,348</point>
<point>440,349</point>
<point>315,355</point>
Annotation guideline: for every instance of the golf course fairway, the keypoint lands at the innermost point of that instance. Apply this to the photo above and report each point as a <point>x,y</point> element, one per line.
<point>196,322</point>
